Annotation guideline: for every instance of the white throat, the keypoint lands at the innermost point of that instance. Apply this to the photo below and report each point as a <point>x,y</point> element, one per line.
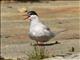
<point>34,19</point>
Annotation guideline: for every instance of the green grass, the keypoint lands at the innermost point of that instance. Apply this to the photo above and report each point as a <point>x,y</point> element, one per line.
<point>38,53</point>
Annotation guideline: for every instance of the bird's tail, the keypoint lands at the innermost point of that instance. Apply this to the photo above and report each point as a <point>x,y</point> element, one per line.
<point>60,31</point>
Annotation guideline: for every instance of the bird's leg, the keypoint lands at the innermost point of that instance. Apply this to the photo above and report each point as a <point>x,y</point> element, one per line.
<point>39,43</point>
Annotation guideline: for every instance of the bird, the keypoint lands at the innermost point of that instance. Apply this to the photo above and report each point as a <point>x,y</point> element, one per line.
<point>38,31</point>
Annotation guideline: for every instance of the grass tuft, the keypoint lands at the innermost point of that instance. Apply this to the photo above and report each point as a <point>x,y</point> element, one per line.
<point>37,54</point>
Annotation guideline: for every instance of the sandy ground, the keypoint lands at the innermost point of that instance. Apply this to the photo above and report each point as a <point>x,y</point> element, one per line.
<point>57,15</point>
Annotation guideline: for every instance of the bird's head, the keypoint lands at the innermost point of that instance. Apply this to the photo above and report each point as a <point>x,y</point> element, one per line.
<point>30,15</point>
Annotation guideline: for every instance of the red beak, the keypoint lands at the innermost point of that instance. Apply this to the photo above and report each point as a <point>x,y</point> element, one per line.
<point>26,17</point>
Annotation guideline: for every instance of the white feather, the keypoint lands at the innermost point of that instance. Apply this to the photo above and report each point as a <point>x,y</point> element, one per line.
<point>39,31</point>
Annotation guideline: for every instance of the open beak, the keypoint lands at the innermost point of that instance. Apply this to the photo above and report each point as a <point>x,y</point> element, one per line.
<point>26,17</point>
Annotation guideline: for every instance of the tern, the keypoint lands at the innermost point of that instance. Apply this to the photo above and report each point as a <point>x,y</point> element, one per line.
<point>38,31</point>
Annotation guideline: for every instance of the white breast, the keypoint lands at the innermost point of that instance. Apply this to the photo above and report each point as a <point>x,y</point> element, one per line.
<point>37,30</point>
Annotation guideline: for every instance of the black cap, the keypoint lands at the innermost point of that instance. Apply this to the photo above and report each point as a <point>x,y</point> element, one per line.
<point>32,13</point>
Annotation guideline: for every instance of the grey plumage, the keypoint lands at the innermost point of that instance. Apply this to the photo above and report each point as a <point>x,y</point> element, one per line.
<point>38,31</point>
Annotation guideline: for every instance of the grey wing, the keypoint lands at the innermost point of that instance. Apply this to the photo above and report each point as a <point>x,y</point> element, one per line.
<point>48,31</point>
<point>46,28</point>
